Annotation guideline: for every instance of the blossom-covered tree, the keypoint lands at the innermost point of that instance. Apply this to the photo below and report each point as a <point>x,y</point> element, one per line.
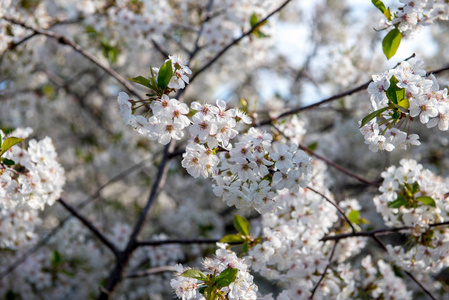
<point>201,149</point>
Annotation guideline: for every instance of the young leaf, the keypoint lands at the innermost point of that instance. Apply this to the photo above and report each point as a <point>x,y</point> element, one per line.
<point>390,43</point>
<point>404,103</point>
<point>143,81</point>
<point>165,74</point>
<point>313,146</point>
<point>353,216</point>
<point>8,143</point>
<point>253,20</point>
<point>373,115</point>
<point>241,225</point>
<point>400,201</point>
<point>55,259</point>
<point>387,14</point>
<point>232,238</point>
<point>394,93</point>
<point>426,200</point>
<point>380,5</point>
<point>195,274</point>
<point>7,162</point>
<point>226,277</point>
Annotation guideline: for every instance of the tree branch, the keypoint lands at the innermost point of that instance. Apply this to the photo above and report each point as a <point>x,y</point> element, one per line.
<point>177,241</point>
<point>61,39</point>
<point>375,233</point>
<point>334,97</point>
<point>117,273</point>
<point>235,41</point>
<point>336,206</point>
<point>325,270</point>
<point>92,228</point>
<point>338,167</point>
<point>407,272</point>
<point>151,271</point>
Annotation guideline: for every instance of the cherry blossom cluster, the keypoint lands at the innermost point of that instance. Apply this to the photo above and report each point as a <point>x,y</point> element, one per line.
<point>304,219</point>
<point>241,288</point>
<point>380,282</point>
<point>35,179</point>
<point>168,115</point>
<point>247,173</point>
<point>255,169</point>
<point>413,15</point>
<point>213,126</point>
<point>415,197</point>
<point>398,96</point>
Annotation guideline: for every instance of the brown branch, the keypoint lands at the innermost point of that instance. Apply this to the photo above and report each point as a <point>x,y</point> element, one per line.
<point>235,41</point>
<point>81,205</point>
<point>378,232</point>
<point>177,241</point>
<point>122,262</point>
<point>325,270</point>
<point>159,48</point>
<point>338,167</point>
<point>63,40</point>
<point>91,226</point>
<point>407,272</point>
<point>335,97</point>
<point>151,271</point>
<point>336,206</point>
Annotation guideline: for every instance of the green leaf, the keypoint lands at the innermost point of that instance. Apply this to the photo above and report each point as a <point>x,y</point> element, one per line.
<point>394,93</point>
<point>241,225</point>
<point>380,5</point>
<point>8,143</point>
<point>232,238</point>
<point>373,115</point>
<point>400,201</point>
<point>253,20</point>
<point>209,292</point>
<point>201,290</point>
<point>397,271</point>
<point>313,146</point>
<point>7,162</point>
<point>391,42</point>
<point>196,274</point>
<point>165,74</point>
<point>387,14</point>
<point>426,200</point>
<point>55,259</point>
<point>415,188</point>
<point>404,103</point>
<point>226,277</point>
<point>353,216</point>
<point>143,81</point>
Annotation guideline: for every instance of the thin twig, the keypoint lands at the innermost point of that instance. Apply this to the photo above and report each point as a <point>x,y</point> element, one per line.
<point>336,206</point>
<point>338,167</point>
<point>378,232</point>
<point>325,270</point>
<point>80,206</point>
<point>116,275</point>
<point>407,272</point>
<point>159,48</point>
<point>235,41</point>
<point>151,271</point>
<point>177,241</point>
<point>91,226</point>
<point>334,97</point>
<point>63,40</point>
